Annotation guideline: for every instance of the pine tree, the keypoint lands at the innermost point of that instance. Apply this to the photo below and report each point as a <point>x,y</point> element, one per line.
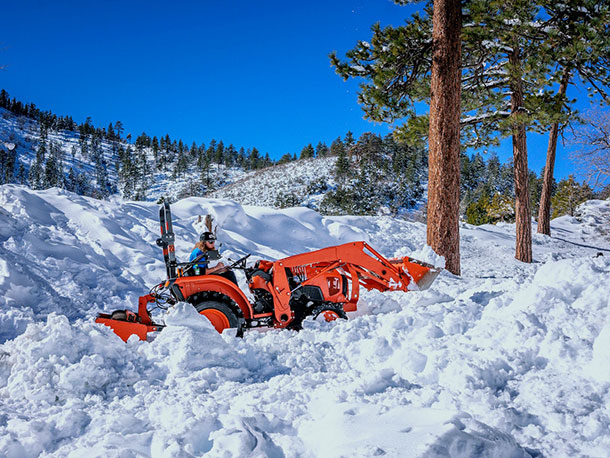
<point>110,135</point>
<point>3,166</point>
<point>570,194</point>
<point>128,174</point>
<point>155,150</point>
<point>321,150</point>
<point>83,141</point>
<point>242,158</point>
<point>307,152</point>
<point>444,136</point>
<point>336,147</point>
<point>211,151</point>
<point>21,174</point>
<point>492,172</point>
<point>581,44</point>
<point>349,139</point>
<point>192,157</point>
<point>71,180</point>
<point>53,175</point>
<point>35,175</point>
<point>220,153</point>
<point>255,159</point>
<point>285,158</point>
<point>230,156</point>
<point>8,160</point>
<point>342,166</point>
<point>83,186</point>
<point>4,99</point>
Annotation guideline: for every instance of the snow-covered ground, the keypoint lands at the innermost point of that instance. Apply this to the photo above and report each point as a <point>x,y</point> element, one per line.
<point>507,360</point>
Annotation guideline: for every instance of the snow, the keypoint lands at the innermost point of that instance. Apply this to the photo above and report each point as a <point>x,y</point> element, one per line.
<point>507,360</point>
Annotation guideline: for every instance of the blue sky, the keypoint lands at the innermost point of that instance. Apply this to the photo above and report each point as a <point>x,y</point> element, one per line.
<point>248,73</point>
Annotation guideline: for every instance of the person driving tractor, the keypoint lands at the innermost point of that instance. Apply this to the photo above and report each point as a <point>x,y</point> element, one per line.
<point>206,243</point>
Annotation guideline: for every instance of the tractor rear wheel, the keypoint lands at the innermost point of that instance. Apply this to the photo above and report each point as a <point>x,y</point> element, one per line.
<point>219,314</point>
<point>328,313</point>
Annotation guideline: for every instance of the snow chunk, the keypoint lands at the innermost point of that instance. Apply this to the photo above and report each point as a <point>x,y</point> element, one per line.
<point>424,254</point>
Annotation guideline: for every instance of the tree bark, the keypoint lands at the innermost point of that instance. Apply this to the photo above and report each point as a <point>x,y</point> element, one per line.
<point>523,217</point>
<point>444,134</point>
<point>544,212</point>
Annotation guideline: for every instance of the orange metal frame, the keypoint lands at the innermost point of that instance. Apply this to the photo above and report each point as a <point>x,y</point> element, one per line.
<point>370,269</point>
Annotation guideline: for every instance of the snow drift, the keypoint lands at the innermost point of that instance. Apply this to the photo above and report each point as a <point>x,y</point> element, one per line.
<point>508,360</point>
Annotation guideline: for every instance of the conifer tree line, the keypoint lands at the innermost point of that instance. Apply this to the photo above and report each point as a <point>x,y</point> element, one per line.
<point>378,174</point>
<point>373,173</point>
<point>487,191</point>
<point>128,159</point>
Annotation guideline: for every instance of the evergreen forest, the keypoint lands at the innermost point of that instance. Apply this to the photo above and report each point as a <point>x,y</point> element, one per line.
<point>373,174</point>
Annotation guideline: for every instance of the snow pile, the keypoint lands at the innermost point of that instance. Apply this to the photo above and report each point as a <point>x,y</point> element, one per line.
<point>507,360</point>
<point>78,256</point>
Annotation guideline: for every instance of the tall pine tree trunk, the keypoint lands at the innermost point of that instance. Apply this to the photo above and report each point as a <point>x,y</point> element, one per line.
<point>523,217</point>
<point>444,135</point>
<point>544,213</point>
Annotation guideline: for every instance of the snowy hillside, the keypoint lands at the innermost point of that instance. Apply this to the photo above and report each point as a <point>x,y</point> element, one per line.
<point>376,175</point>
<point>305,181</point>
<point>24,133</point>
<point>507,360</point>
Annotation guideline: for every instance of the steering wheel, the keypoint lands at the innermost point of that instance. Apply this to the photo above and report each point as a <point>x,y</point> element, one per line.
<point>240,263</point>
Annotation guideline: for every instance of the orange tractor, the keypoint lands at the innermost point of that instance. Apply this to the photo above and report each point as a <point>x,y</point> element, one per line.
<point>323,283</point>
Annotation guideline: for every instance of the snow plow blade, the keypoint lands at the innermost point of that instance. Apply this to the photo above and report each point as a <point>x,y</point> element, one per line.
<point>125,329</point>
<point>126,323</point>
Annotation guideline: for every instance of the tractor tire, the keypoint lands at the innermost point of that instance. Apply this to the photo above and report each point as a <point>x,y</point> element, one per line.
<point>219,314</point>
<point>328,313</point>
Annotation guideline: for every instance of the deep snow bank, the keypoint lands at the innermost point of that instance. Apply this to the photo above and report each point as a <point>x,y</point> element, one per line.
<point>507,360</point>
<point>76,256</point>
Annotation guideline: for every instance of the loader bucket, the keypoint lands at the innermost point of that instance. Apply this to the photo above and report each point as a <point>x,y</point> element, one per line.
<point>423,274</point>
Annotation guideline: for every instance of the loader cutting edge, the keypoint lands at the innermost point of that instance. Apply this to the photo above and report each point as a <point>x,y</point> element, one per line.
<point>422,273</point>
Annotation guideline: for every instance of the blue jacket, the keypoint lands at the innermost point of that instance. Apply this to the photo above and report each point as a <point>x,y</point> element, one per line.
<point>203,263</point>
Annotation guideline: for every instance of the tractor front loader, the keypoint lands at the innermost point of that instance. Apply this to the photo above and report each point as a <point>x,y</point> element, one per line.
<point>323,283</point>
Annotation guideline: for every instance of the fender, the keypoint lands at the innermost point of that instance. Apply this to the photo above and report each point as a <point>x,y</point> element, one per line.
<point>192,285</point>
